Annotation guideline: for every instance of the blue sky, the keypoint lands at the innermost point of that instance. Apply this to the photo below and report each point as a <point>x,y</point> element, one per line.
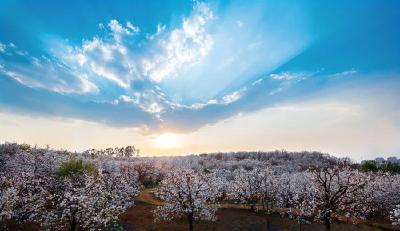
<point>179,66</point>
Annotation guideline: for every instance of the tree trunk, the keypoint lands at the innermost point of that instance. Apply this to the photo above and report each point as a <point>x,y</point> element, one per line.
<point>190,220</point>
<point>263,204</point>
<point>327,223</point>
<point>74,227</point>
<point>268,225</point>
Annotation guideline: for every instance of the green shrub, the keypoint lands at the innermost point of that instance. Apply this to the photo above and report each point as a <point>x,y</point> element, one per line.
<point>25,147</point>
<point>390,167</point>
<point>76,166</point>
<point>369,165</point>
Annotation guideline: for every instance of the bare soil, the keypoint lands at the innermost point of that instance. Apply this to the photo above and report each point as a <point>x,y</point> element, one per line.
<point>230,217</point>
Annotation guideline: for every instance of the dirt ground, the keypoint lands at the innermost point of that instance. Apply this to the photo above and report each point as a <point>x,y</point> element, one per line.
<point>230,217</point>
<point>141,218</point>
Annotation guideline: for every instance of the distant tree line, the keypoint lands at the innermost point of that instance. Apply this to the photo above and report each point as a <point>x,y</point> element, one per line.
<point>386,166</point>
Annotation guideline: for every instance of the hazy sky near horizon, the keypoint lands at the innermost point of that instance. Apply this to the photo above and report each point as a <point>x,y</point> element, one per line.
<point>176,77</point>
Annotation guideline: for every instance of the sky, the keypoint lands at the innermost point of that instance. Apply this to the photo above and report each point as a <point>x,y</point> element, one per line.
<point>181,77</point>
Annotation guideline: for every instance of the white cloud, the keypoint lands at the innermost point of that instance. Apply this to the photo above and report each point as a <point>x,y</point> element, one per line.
<point>277,90</point>
<point>2,47</point>
<point>234,96</point>
<point>134,29</point>
<point>159,31</point>
<point>290,76</point>
<point>285,76</point>
<point>119,31</point>
<point>10,48</point>
<point>148,101</point>
<point>114,58</point>
<point>160,28</point>
<point>14,75</point>
<point>43,72</point>
<point>197,106</point>
<point>125,98</point>
<point>182,47</point>
<point>77,69</point>
<point>225,100</point>
<point>287,79</point>
<point>345,73</point>
<point>81,59</point>
<point>103,59</point>
<point>187,67</point>
<point>106,57</point>
<point>258,81</point>
<point>86,85</point>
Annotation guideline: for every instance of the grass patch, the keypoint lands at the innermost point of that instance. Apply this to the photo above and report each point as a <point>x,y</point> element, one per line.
<point>76,166</point>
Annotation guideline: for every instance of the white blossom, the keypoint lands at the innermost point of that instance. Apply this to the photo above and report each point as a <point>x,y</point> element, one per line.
<point>395,216</point>
<point>188,194</point>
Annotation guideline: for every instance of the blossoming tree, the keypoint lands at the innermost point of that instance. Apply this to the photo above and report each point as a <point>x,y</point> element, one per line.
<point>334,191</point>
<point>188,194</point>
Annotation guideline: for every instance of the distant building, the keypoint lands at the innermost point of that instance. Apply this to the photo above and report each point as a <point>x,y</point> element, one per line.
<point>392,159</point>
<point>379,160</point>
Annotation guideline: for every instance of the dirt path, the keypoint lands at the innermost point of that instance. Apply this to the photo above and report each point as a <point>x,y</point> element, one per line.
<point>147,196</point>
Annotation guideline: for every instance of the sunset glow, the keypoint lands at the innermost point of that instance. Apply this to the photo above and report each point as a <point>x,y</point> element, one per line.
<point>168,141</point>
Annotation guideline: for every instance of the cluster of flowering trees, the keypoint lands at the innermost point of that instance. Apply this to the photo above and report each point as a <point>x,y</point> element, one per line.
<point>85,201</point>
<point>21,196</point>
<point>87,191</point>
<point>322,194</point>
<point>59,191</point>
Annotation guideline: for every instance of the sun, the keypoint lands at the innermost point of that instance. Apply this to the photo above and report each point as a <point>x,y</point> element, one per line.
<point>168,141</point>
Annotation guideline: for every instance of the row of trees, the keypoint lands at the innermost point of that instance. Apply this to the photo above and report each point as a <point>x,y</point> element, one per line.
<point>373,166</point>
<point>128,151</point>
<point>322,194</point>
